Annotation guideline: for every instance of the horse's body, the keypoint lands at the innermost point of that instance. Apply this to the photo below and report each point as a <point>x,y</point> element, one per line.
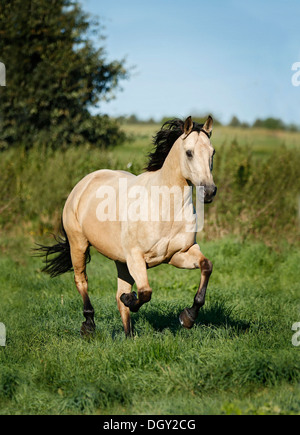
<point>137,244</point>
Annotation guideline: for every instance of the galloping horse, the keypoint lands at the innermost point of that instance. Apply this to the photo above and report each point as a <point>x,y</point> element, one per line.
<point>182,157</point>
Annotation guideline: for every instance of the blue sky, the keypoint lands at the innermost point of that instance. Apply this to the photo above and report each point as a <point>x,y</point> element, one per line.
<point>225,57</point>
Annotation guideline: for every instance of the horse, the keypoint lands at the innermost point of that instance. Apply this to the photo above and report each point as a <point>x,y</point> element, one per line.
<point>182,158</point>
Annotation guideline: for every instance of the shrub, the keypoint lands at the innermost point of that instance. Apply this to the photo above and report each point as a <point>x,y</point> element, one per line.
<point>255,197</point>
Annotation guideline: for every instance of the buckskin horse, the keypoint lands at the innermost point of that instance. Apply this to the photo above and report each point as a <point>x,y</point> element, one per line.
<point>182,157</point>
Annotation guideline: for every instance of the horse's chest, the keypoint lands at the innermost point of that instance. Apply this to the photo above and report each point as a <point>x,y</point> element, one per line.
<point>166,247</point>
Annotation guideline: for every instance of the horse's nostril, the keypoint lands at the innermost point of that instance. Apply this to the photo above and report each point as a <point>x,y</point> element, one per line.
<point>215,191</point>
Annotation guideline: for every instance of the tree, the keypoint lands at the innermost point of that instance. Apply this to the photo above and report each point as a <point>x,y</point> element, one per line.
<point>274,124</point>
<point>270,123</point>
<point>234,122</point>
<point>54,75</point>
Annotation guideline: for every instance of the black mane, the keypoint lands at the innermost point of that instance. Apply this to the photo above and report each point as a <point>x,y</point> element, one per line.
<point>164,140</point>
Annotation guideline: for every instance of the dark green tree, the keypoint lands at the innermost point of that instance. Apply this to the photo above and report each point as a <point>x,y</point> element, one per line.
<point>235,122</point>
<point>54,75</point>
<point>270,123</point>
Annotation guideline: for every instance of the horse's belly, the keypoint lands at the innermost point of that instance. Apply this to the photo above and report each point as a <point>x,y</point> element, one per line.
<point>105,238</point>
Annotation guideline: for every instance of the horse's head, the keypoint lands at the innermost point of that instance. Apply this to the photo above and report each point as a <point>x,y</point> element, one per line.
<point>196,157</point>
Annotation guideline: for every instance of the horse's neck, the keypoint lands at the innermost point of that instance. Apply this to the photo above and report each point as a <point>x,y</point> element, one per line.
<point>170,173</point>
<point>170,176</point>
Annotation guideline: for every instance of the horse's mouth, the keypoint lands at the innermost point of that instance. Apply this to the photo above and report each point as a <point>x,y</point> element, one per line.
<point>205,199</point>
<point>209,195</point>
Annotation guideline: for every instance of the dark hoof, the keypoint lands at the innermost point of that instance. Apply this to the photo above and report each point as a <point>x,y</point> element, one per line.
<point>87,329</point>
<point>130,300</point>
<point>186,319</point>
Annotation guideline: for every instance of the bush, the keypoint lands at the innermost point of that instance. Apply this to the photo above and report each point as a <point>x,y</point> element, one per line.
<point>36,183</point>
<point>255,197</point>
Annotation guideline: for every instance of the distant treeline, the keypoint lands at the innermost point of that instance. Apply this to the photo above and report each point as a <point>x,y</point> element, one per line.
<point>268,123</point>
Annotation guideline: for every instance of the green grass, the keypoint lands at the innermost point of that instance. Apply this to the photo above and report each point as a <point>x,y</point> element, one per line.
<point>239,357</point>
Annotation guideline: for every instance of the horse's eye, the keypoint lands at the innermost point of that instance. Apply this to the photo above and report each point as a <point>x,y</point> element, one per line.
<point>189,153</point>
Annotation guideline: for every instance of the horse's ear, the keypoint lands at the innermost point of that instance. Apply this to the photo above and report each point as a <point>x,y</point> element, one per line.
<point>208,126</point>
<point>188,125</point>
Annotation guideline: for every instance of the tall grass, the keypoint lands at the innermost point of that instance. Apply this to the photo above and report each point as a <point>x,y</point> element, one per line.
<point>257,197</point>
<point>35,184</point>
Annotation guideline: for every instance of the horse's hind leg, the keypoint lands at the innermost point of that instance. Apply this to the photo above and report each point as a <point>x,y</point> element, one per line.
<point>125,283</point>
<point>79,247</point>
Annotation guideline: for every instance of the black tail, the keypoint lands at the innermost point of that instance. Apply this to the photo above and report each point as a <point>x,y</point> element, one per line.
<point>62,262</point>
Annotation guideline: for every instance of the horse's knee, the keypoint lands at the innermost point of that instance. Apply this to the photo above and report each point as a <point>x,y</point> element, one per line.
<point>145,295</point>
<point>206,267</point>
<point>134,301</point>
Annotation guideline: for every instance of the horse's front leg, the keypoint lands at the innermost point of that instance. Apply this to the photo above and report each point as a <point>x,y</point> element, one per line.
<point>125,283</point>
<point>193,259</point>
<point>138,270</point>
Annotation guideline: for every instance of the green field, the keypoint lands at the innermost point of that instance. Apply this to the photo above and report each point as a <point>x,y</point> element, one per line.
<point>239,357</point>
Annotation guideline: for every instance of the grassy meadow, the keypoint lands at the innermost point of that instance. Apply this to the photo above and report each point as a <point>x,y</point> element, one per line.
<point>239,357</point>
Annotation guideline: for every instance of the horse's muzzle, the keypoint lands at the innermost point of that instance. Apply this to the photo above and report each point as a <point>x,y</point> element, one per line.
<point>209,193</point>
